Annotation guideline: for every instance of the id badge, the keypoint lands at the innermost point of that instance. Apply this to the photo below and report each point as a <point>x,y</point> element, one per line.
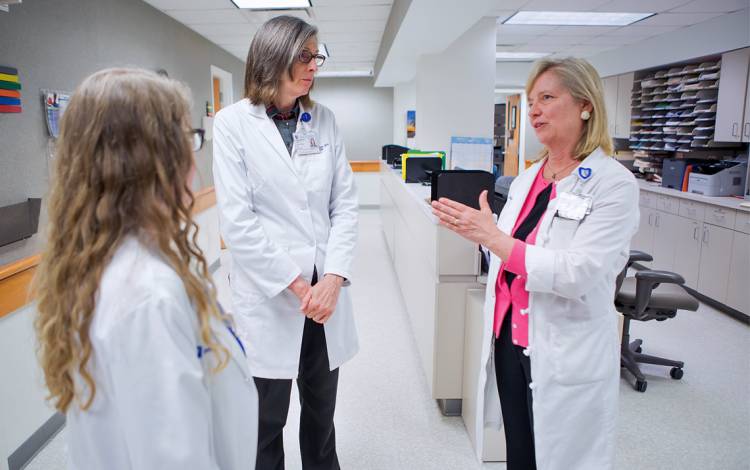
<point>306,142</point>
<point>573,206</point>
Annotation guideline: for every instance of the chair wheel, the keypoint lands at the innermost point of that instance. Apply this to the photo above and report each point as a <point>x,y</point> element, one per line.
<point>640,385</point>
<point>675,373</point>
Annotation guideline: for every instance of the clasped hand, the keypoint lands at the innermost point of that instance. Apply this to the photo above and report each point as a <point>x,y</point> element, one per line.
<point>318,302</point>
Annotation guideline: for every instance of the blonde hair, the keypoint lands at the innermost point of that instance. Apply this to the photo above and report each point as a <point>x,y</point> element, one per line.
<point>582,81</point>
<point>273,53</point>
<point>122,162</point>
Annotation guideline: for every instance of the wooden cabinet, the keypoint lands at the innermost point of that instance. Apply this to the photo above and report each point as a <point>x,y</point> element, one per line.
<point>731,111</point>
<point>622,115</point>
<point>738,293</point>
<point>716,253</point>
<point>617,93</point>
<point>687,243</point>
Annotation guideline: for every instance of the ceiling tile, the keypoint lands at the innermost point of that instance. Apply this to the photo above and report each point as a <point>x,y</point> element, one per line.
<point>512,39</point>
<point>540,48</point>
<point>192,4</point>
<point>560,40</point>
<point>711,6</point>
<point>366,36</point>
<point>635,6</point>
<point>374,12</point>
<point>190,17</point>
<point>351,26</point>
<point>608,40</point>
<point>238,28</point>
<point>677,19</point>
<point>642,31</point>
<point>523,29</point>
<point>345,3</point>
<point>585,51</point>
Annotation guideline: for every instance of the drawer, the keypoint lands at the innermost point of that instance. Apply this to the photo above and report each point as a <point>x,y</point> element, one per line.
<point>720,216</point>
<point>668,204</point>
<point>742,222</point>
<point>647,199</point>
<point>692,210</point>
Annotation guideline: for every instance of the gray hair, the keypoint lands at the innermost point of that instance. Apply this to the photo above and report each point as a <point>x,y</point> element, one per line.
<point>272,53</point>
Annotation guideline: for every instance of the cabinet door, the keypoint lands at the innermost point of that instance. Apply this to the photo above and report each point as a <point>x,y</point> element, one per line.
<point>746,120</point>
<point>716,253</point>
<point>610,102</point>
<point>731,102</point>
<point>622,118</point>
<point>738,294</point>
<point>665,231</point>
<point>643,239</point>
<point>687,243</point>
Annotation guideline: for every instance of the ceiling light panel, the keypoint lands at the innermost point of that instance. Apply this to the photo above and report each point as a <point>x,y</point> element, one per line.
<point>272,4</point>
<point>575,18</point>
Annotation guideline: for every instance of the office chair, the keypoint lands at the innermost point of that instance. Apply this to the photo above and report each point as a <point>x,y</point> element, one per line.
<point>649,295</point>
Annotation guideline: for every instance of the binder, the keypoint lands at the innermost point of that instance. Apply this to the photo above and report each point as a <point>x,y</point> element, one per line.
<point>463,186</point>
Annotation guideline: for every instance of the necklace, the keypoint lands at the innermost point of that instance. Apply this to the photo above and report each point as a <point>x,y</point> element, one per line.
<point>556,172</point>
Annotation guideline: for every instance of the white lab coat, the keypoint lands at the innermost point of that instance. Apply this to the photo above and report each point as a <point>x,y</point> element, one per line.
<point>574,346</point>
<point>157,405</point>
<point>279,217</point>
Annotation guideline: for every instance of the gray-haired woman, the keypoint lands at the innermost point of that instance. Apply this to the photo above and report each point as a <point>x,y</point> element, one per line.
<point>288,212</point>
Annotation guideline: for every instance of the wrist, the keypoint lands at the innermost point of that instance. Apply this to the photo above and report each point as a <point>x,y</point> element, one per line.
<point>338,280</point>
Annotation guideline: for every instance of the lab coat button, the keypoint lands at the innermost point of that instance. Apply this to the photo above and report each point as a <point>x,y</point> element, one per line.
<point>532,385</point>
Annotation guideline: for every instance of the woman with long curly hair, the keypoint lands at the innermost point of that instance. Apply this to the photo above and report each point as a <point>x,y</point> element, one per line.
<point>134,347</point>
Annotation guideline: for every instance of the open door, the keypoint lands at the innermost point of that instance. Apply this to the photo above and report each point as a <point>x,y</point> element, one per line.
<point>513,134</point>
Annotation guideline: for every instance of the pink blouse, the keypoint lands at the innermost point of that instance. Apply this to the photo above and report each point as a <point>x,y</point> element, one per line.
<point>517,297</point>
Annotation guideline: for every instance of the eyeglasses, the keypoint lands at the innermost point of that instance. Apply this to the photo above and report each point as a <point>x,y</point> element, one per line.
<point>197,138</point>
<point>306,56</point>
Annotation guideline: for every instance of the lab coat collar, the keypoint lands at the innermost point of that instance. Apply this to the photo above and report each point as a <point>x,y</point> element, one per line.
<point>271,133</point>
<point>586,171</point>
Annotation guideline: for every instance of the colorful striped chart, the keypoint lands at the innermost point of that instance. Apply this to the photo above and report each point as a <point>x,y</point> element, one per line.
<point>10,90</point>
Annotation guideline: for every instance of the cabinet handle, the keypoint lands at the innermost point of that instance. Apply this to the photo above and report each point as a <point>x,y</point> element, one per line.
<point>658,216</point>
<point>650,216</point>
<point>747,129</point>
<point>695,233</point>
<point>735,126</point>
<point>705,235</point>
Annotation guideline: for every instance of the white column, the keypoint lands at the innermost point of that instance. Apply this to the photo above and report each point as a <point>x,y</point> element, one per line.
<point>455,89</point>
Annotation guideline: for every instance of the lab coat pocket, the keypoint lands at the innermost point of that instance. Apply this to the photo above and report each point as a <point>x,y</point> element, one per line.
<point>581,353</point>
<point>316,170</point>
<point>562,232</point>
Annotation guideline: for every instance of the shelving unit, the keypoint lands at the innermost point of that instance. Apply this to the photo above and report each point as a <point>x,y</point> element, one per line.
<point>674,109</point>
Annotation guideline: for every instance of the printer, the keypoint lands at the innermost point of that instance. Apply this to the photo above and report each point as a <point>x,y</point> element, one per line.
<point>724,178</point>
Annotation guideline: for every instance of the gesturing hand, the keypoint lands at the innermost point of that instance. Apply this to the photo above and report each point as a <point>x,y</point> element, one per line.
<point>475,225</point>
<point>320,301</point>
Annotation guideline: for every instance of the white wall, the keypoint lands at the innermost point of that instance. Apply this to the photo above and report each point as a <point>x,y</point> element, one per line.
<point>456,89</point>
<point>512,74</point>
<point>22,406</point>
<point>724,33</point>
<point>364,113</point>
<point>404,99</point>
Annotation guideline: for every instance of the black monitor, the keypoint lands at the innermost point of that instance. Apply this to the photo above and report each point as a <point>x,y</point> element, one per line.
<point>418,169</point>
<point>393,152</point>
<point>463,186</point>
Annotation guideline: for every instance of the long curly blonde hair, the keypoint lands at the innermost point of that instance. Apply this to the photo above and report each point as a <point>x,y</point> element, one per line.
<point>122,165</point>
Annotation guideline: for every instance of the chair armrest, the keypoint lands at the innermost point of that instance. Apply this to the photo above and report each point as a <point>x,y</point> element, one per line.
<point>636,255</point>
<point>647,281</point>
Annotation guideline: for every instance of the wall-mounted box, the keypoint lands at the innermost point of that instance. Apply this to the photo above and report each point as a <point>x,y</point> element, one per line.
<point>19,221</point>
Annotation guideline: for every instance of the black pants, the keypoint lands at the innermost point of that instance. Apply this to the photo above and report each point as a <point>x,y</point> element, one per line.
<point>317,395</point>
<point>513,372</point>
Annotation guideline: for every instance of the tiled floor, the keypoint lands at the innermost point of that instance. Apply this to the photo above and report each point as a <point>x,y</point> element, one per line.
<point>386,420</point>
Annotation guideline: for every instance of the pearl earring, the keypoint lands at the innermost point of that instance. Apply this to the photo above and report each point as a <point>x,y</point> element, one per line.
<point>585,115</point>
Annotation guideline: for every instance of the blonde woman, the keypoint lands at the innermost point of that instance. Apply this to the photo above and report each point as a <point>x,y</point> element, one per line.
<point>134,347</point>
<point>557,247</point>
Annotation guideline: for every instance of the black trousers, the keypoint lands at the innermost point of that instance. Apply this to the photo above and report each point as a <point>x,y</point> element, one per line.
<point>317,395</point>
<point>513,373</point>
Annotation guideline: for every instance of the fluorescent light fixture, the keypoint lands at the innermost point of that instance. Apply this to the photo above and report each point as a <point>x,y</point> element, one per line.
<point>272,4</point>
<point>576,18</point>
<point>519,56</point>
<point>323,49</point>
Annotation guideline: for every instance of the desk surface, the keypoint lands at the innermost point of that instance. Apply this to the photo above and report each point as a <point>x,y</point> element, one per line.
<point>728,202</point>
<point>421,194</point>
